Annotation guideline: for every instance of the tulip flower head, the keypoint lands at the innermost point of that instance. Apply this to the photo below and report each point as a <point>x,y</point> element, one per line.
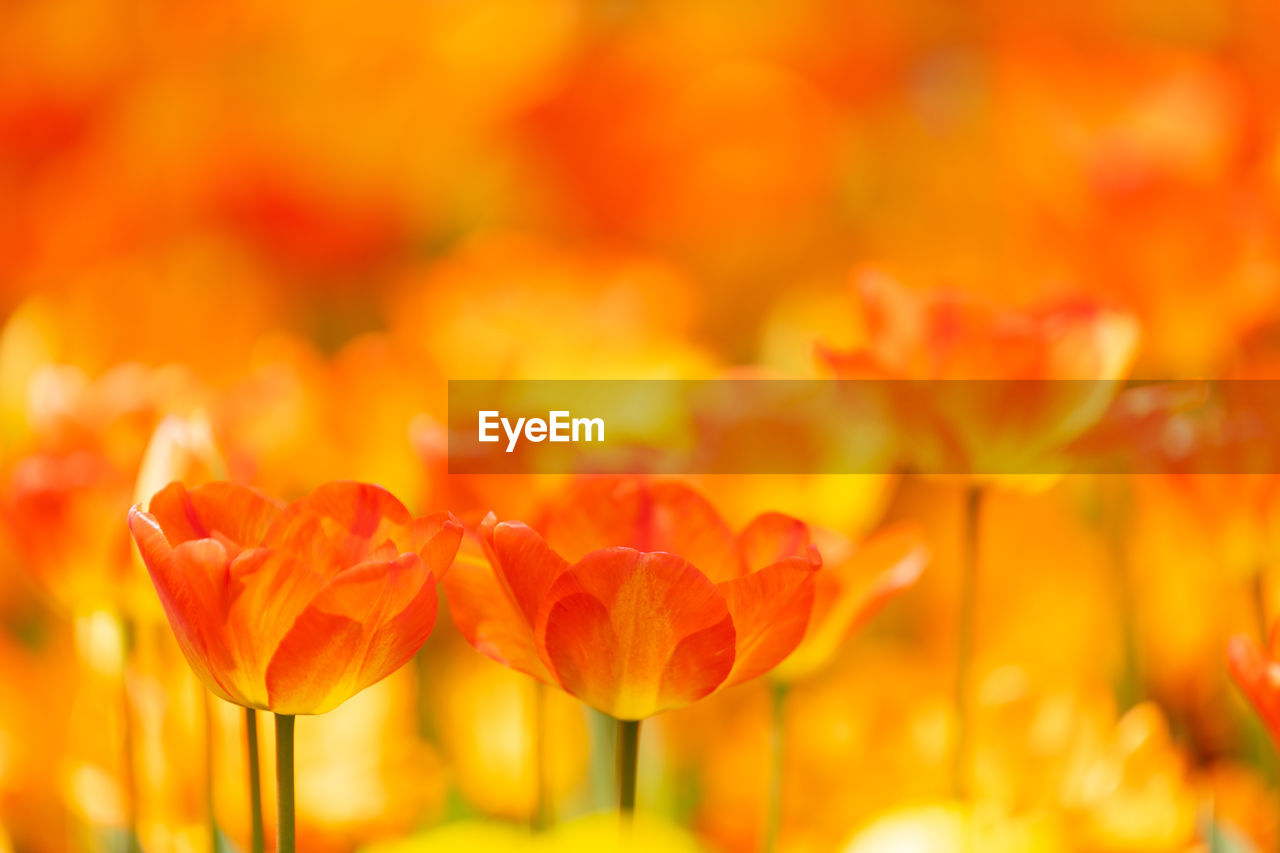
<point>994,391</point>
<point>293,608</point>
<point>636,598</point>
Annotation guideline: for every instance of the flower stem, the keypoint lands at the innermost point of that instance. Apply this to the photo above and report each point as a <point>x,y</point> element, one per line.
<point>129,768</point>
<point>965,639</point>
<point>206,707</point>
<point>628,764</point>
<point>255,779</point>
<point>542,814</point>
<point>773,823</point>
<point>1114,513</point>
<point>285,842</point>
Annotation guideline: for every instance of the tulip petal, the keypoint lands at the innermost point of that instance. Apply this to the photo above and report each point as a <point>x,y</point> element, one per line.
<point>772,537</point>
<point>633,634</point>
<point>1259,679</point>
<point>188,581</point>
<point>347,521</point>
<point>434,537</point>
<point>846,595</point>
<point>267,591</point>
<point>525,565</point>
<point>770,610</point>
<point>607,512</point>
<point>235,515</point>
<point>495,588</point>
<point>362,508</point>
<point>366,623</point>
<point>488,617</point>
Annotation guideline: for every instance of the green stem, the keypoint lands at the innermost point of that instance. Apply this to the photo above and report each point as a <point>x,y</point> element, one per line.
<point>542,815</point>
<point>285,842</point>
<point>255,779</point>
<point>1113,505</point>
<point>422,696</point>
<point>602,730</point>
<point>628,764</point>
<point>965,639</point>
<point>207,708</point>
<point>129,769</point>
<point>773,824</point>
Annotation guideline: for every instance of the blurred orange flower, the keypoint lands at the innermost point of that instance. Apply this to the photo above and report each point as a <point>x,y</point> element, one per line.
<point>1011,421</point>
<point>663,606</point>
<point>1258,674</point>
<point>294,609</point>
<point>77,473</point>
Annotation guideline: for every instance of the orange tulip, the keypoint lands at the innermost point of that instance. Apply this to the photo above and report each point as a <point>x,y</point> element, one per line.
<point>1258,674</point>
<point>296,608</point>
<point>1046,375</point>
<point>62,495</point>
<point>639,599</point>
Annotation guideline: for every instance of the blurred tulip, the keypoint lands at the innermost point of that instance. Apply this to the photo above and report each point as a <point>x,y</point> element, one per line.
<point>180,450</point>
<point>55,511</point>
<point>274,419</point>
<point>348,572</point>
<point>849,503</point>
<point>663,606</point>
<point>618,316</point>
<point>844,597</point>
<point>1243,802</point>
<point>87,441</point>
<point>1134,793</point>
<point>857,580</point>
<point>947,828</point>
<point>44,742</point>
<point>490,730</point>
<point>364,773</point>
<point>1257,673</point>
<point>1046,376</point>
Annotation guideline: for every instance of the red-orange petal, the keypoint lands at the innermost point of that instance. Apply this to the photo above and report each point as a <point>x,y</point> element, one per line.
<point>484,607</point>
<point>434,537</point>
<point>633,634</point>
<point>851,591</point>
<point>188,581</point>
<point>1259,678</point>
<point>607,512</point>
<point>524,564</point>
<point>352,521</point>
<point>267,591</point>
<point>887,564</point>
<point>368,622</point>
<point>770,610</point>
<point>772,537</point>
<point>235,515</point>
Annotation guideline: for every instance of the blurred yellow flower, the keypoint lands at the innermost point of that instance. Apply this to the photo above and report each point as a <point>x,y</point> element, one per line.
<point>488,732</point>
<point>949,828</point>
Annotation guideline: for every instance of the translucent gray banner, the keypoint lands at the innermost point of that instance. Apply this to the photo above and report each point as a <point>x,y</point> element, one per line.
<point>939,427</point>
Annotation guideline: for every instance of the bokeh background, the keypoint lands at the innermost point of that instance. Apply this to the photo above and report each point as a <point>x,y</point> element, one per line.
<point>288,225</point>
